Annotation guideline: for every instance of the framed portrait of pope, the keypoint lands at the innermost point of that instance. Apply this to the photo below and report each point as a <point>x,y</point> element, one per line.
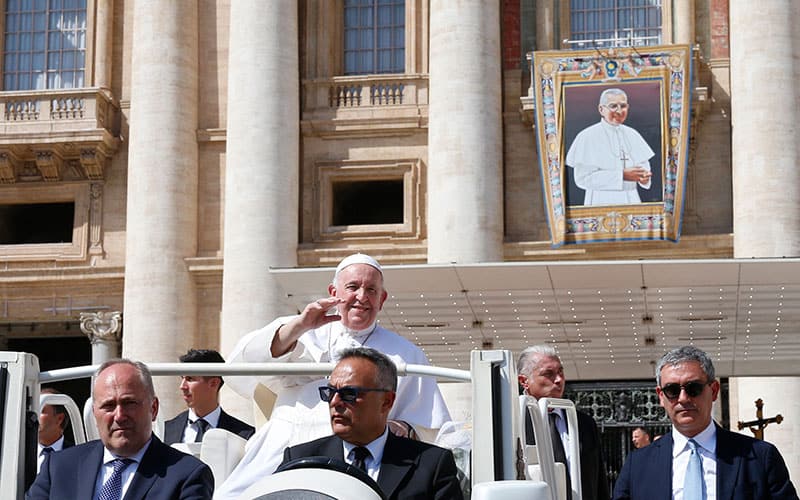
<point>612,135</point>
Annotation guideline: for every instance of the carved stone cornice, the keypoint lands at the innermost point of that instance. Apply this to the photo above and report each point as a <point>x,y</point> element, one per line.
<point>9,162</point>
<point>102,326</point>
<point>49,162</point>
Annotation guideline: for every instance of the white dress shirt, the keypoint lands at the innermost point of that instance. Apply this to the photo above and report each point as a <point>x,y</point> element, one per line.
<point>373,462</point>
<point>190,431</point>
<point>127,475</point>
<point>707,447</point>
<point>58,445</point>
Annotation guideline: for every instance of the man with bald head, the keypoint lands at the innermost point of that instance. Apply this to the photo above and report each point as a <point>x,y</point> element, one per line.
<point>346,318</point>
<point>128,460</point>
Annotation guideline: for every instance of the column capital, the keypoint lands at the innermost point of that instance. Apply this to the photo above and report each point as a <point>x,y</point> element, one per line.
<point>102,326</point>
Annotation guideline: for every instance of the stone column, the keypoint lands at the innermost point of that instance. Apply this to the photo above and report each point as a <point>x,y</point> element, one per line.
<point>104,330</point>
<point>160,302</point>
<point>765,109</point>
<point>465,150</point>
<point>546,25</point>
<point>104,31</point>
<point>262,166</point>
<point>683,22</point>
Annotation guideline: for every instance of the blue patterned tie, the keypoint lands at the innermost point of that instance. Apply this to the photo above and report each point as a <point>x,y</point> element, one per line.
<point>693,482</point>
<point>112,488</point>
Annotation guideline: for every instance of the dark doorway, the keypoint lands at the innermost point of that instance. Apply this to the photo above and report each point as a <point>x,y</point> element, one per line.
<point>60,352</point>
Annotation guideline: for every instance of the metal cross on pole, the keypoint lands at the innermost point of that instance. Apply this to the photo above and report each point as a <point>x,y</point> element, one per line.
<point>757,426</point>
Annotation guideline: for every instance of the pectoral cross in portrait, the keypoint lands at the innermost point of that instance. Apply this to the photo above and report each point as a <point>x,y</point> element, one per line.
<point>757,426</point>
<point>624,157</point>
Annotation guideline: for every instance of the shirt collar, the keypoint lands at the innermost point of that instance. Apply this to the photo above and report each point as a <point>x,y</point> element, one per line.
<point>375,447</point>
<point>57,445</point>
<point>136,457</point>
<point>707,439</point>
<point>212,418</point>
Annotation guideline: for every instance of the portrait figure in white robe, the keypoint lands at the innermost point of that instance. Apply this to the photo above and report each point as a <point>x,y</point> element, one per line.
<point>610,161</point>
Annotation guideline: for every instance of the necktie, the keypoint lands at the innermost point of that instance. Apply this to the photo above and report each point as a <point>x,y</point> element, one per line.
<point>360,454</point>
<point>559,455</point>
<point>693,482</point>
<point>46,451</point>
<point>558,446</point>
<point>112,488</point>
<point>202,426</point>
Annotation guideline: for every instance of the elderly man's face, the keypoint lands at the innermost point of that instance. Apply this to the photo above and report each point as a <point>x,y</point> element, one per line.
<point>363,420</point>
<point>690,415</point>
<point>615,111</point>
<point>361,288</point>
<point>123,409</point>
<point>546,380</point>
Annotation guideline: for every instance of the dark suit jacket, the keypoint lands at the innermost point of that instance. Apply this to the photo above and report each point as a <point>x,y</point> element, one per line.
<point>173,429</point>
<point>409,469</point>
<point>746,469</point>
<point>594,483</point>
<point>164,474</point>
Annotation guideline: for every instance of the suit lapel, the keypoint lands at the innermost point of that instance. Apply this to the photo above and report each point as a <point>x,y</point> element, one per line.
<point>88,470</point>
<point>173,432</point>
<point>332,447</point>
<point>728,465</point>
<point>147,472</point>
<point>394,466</point>
<point>662,468</point>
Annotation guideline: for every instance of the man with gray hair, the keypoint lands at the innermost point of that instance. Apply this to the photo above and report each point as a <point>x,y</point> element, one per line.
<point>346,318</point>
<point>610,159</point>
<point>360,393</point>
<point>541,375</point>
<point>699,459</point>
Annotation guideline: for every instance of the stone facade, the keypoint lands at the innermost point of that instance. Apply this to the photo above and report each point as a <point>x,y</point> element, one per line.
<point>145,153</point>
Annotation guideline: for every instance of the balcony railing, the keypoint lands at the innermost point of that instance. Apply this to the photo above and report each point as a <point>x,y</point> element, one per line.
<point>369,104</point>
<point>43,130</point>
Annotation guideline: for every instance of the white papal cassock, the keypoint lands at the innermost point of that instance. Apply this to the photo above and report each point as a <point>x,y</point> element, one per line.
<point>599,153</point>
<point>299,415</point>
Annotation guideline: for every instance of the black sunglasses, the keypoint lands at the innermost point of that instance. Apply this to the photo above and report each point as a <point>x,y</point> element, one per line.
<point>693,389</point>
<point>348,393</point>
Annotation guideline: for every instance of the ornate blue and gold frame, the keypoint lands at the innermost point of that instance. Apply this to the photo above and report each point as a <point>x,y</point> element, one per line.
<point>567,85</point>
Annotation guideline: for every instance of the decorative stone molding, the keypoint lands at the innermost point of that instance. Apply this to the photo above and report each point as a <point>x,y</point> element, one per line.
<point>8,167</point>
<point>102,326</point>
<point>49,164</point>
<point>79,124</point>
<point>93,162</point>
<point>96,219</point>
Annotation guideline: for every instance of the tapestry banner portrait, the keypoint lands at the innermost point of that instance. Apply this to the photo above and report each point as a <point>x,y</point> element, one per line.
<point>612,131</point>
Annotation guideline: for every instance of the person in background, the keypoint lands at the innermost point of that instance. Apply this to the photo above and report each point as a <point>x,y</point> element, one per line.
<point>541,375</point>
<point>53,421</point>
<point>640,437</point>
<point>201,395</point>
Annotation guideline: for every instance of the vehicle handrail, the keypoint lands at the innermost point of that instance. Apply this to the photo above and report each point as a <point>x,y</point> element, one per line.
<point>71,408</point>
<point>249,369</point>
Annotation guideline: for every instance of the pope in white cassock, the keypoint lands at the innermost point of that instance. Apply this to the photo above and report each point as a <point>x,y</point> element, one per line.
<point>356,296</point>
<point>610,159</point>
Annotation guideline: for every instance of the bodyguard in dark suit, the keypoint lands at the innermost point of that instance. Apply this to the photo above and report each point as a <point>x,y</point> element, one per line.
<point>201,395</point>
<point>128,461</point>
<point>360,393</point>
<point>53,422</point>
<point>683,462</point>
<point>541,375</point>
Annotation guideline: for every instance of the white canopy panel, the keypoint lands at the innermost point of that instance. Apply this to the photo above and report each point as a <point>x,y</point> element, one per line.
<point>608,319</point>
